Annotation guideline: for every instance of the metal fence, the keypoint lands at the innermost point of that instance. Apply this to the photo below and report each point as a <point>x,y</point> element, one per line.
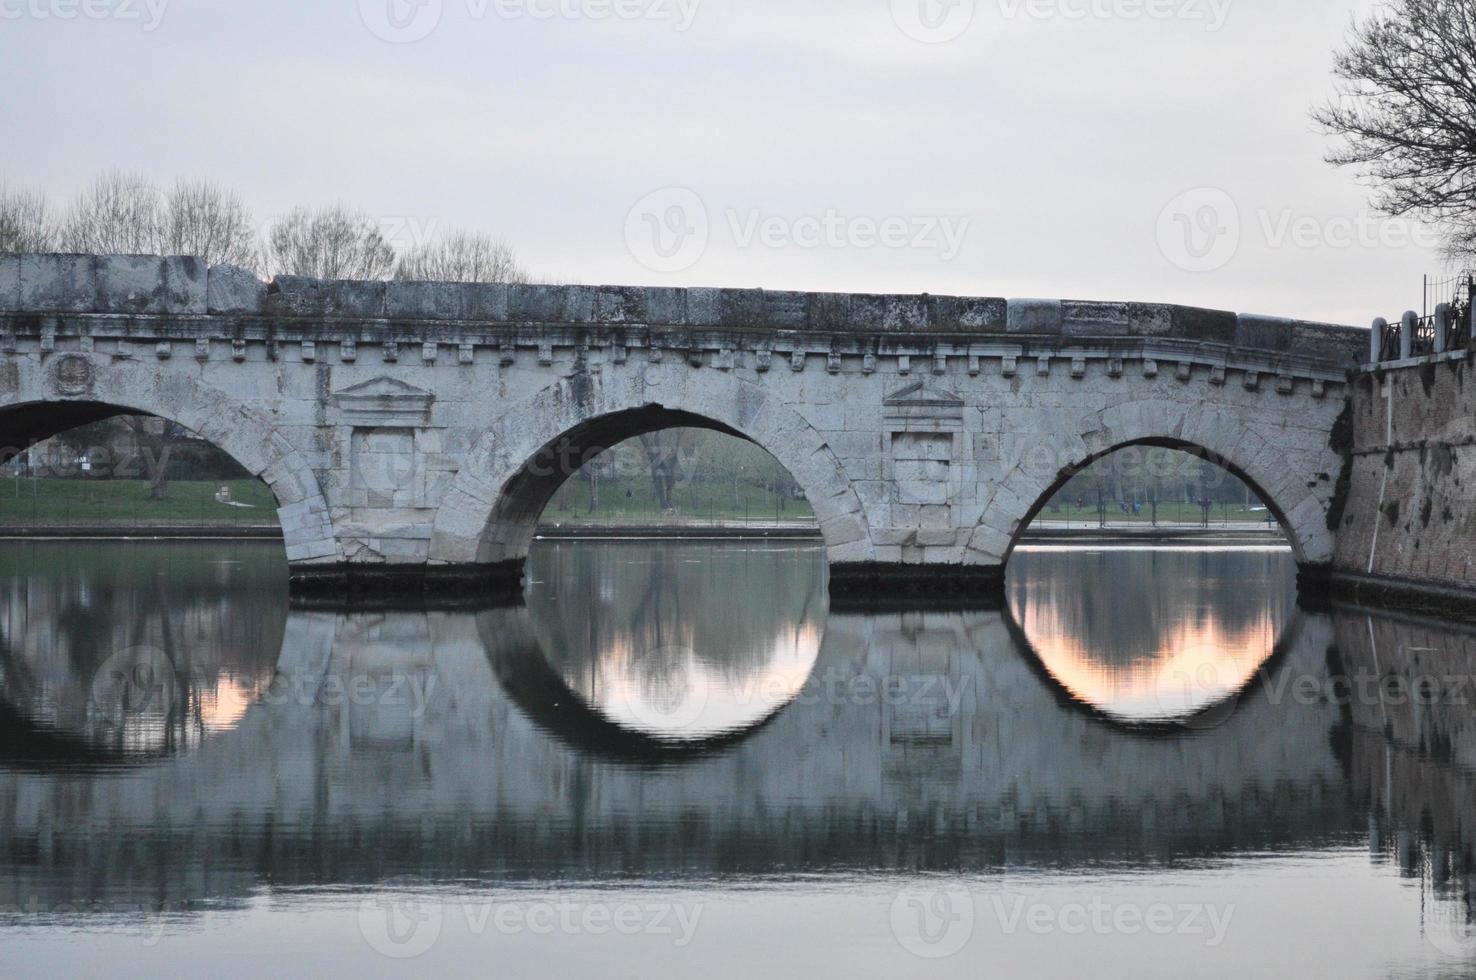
<point>1453,298</point>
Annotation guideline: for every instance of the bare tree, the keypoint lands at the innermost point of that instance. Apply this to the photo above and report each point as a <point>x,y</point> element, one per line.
<point>120,214</point>
<point>462,256</point>
<point>203,219</point>
<point>329,243</point>
<point>1406,112</point>
<point>663,450</point>
<point>25,224</point>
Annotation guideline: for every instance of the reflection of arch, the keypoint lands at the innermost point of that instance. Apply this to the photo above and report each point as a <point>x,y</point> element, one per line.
<point>75,389</point>
<point>1206,719</point>
<point>549,703</point>
<point>1277,469</point>
<point>490,512</point>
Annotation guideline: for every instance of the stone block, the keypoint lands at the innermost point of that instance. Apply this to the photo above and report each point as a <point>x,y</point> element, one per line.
<point>230,289</point>
<point>150,284</point>
<point>1214,326</point>
<point>1082,319</point>
<point>829,311</point>
<point>906,314</point>
<point>299,296</point>
<point>969,314</point>
<point>550,304</point>
<point>704,307</point>
<point>620,304</point>
<point>786,310</point>
<point>479,301</point>
<point>9,281</point>
<point>1035,316</point>
<point>665,305</point>
<point>57,284</point>
<point>322,549</point>
<point>1347,345</point>
<point>742,308</point>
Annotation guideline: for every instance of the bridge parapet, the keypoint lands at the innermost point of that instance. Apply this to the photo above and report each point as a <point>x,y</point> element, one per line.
<point>183,287</point>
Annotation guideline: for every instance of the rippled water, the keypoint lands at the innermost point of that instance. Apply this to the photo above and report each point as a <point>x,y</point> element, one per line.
<point>677,759</point>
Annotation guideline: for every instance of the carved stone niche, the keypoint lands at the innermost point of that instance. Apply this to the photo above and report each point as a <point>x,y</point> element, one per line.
<point>385,403</point>
<point>925,446</point>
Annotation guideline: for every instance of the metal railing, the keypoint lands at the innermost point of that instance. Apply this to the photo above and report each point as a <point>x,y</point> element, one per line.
<point>1447,326</point>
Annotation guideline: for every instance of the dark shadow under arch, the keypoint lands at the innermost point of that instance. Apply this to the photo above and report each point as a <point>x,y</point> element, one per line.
<point>22,426</point>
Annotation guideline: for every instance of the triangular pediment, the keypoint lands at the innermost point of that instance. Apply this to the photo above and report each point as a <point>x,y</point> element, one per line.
<point>385,402</point>
<point>383,388</point>
<point>922,394</point>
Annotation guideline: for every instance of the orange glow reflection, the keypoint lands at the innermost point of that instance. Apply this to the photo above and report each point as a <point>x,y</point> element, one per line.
<point>1194,666</point>
<point>678,693</point>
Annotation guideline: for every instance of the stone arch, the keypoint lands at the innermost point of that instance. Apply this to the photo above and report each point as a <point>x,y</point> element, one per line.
<point>67,390</point>
<point>491,510</point>
<point>1290,472</point>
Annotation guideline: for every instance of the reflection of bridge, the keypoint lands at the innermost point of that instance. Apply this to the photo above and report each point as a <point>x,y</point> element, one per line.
<point>844,777</point>
<point>442,744</point>
<point>409,428</point>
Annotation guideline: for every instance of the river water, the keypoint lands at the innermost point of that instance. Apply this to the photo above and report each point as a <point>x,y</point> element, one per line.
<point>679,759</point>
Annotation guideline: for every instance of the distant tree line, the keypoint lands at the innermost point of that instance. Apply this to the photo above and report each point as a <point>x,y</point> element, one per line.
<point>681,472</point>
<point>124,213</point>
<point>1138,477</point>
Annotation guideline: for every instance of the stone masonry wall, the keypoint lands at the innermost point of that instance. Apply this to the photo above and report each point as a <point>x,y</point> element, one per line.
<point>1408,513</point>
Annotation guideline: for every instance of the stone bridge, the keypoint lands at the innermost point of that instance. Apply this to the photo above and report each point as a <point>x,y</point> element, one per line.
<point>413,432</point>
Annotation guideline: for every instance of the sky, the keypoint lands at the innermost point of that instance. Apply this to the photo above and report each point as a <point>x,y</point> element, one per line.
<point>1152,150</point>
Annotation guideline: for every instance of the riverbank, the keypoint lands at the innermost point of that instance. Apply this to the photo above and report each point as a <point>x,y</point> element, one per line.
<point>693,530</point>
<point>677,529</point>
<point>121,531</point>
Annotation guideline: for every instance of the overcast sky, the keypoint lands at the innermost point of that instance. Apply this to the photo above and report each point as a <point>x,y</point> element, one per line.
<point>1098,149</point>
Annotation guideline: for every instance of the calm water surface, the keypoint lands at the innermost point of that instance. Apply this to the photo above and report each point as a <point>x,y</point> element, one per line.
<point>678,759</point>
